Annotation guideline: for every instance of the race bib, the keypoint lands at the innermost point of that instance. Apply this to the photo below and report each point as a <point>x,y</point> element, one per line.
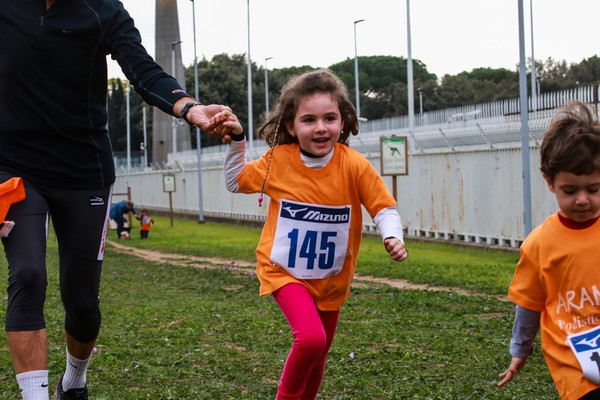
<point>311,241</point>
<point>586,347</point>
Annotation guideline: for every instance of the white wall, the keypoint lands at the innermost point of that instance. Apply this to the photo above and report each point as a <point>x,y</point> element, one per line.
<point>473,195</point>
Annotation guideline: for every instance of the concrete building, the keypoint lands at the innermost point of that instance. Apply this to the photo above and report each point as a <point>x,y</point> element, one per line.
<point>168,134</point>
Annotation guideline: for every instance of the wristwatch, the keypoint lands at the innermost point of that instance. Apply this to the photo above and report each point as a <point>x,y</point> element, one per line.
<point>187,108</point>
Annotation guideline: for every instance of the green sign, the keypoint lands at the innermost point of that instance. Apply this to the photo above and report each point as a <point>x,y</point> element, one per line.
<point>168,182</point>
<point>394,160</point>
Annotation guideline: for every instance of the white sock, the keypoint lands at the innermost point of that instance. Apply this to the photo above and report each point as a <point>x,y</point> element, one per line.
<point>33,385</point>
<point>75,374</point>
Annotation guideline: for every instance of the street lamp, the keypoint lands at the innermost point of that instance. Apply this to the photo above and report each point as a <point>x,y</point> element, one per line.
<point>250,124</point>
<point>356,69</point>
<point>128,109</point>
<point>145,129</point>
<point>198,139</point>
<point>533,72</point>
<point>420,90</point>
<point>174,124</point>
<point>525,157</point>
<point>267,85</point>
<point>409,72</point>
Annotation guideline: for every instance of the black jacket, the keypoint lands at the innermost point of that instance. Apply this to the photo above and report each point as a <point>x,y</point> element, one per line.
<point>53,88</point>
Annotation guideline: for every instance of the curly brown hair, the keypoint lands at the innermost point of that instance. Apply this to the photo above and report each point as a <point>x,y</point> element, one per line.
<point>274,130</point>
<point>571,142</point>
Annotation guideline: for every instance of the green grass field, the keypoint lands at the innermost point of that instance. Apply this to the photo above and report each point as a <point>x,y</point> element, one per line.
<point>179,332</point>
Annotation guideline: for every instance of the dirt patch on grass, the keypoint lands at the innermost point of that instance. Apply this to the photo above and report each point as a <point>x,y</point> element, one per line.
<point>181,259</point>
<point>247,267</point>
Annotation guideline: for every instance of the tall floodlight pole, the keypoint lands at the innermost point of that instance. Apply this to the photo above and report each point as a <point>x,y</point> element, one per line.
<point>524,125</point>
<point>420,91</point>
<point>198,139</point>
<point>128,129</point>
<point>534,99</point>
<point>145,135</point>
<point>250,117</point>
<point>174,71</point>
<point>356,87</point>
<point>409,72</point>
<point>267,85</point>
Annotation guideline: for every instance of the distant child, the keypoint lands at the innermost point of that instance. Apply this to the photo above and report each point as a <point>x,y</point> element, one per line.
<point>146,222</point>
<point>316,183</point>
<point>557,281</point>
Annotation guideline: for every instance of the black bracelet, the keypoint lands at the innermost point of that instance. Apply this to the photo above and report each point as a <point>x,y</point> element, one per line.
<point>187,108</point>
<point>237,137</point>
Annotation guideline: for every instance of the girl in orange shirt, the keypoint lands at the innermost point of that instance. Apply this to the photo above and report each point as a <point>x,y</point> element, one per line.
<point>317,184</point>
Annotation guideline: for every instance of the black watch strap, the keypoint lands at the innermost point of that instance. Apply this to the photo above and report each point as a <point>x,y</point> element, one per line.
<point>237,137</point>
<point>187,108</point>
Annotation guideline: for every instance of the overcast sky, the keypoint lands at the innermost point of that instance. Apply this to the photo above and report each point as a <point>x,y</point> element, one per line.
<point>449,36</point>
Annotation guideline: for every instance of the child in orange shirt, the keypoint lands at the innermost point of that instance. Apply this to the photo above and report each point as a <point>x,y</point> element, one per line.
<point>307,252</point>
<point>146,223</point>
<point>557,281</point>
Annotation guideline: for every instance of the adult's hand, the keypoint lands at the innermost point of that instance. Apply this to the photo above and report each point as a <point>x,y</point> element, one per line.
<point>202,117</point>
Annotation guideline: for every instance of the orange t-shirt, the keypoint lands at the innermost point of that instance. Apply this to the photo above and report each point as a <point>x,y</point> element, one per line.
<point>345,183</point>
<point>558,275</point>
<point>145,222</point>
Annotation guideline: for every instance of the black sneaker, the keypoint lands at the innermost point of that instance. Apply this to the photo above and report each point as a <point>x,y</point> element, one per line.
<point>75,393</point>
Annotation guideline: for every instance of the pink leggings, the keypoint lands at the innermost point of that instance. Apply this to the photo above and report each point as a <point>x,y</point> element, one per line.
<point>313,332</point>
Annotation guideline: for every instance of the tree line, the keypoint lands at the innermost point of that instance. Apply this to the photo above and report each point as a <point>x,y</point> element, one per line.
<point>382,86</point>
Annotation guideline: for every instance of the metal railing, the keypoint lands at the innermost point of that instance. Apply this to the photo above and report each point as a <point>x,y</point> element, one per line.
<point>485,124</point>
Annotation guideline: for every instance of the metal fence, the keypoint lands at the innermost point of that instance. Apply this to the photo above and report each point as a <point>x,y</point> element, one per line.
<point>485,111</point>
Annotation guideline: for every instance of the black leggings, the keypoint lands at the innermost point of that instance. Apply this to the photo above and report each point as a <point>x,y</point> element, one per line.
<point>80,221</point>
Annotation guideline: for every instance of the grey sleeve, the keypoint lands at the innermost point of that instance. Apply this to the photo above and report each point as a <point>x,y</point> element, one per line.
<point>525,329</point>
